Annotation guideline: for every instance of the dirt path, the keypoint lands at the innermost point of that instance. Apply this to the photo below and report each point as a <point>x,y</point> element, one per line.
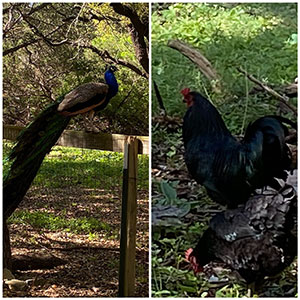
<point>92,261</point>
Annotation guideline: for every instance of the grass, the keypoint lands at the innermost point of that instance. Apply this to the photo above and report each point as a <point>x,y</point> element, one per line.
<point>50,221</point>
<point>73,210</point>
<point>64,168</point>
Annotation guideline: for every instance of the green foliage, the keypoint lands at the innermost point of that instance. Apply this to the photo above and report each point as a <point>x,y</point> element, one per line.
<point>171,237</point>
<point>230,292</point>
<point>168,191</point>
<point>46,220</point>
<point>168,278</point>
<point>261,38</point>
<point>6,163</point>
<point>36,75</point>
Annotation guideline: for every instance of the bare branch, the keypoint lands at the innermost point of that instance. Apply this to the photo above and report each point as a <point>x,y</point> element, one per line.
<point>16,48</point>
<point>123,101</point>
<point>11,23</point>
<point>7,9</point>
<point>281,98</point>
<point>126,11</point>
<point>159,98</point>
<point>37,8</point>
<point>138,30</point>
<point>45,37</point>
<point>200,60</point>
<point>106,56</point>
<point>196,57</point>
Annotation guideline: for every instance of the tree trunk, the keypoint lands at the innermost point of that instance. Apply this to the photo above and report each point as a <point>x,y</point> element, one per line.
<point>6,248</point>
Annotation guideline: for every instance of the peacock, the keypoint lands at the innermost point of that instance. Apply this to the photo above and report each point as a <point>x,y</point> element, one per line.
<point>37,139</point>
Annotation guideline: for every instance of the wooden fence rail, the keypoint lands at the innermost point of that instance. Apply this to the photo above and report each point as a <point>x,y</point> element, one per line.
<point>81,139</point>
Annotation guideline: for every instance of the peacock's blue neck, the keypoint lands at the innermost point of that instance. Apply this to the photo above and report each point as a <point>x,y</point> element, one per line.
<point>111,80</point>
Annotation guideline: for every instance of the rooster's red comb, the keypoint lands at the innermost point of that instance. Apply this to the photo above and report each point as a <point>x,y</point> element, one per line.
<point>185,91</point>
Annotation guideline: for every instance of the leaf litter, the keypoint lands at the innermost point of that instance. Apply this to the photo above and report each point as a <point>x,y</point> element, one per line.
<point>92,259</point>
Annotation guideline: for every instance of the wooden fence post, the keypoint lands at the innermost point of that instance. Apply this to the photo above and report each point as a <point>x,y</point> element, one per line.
<point>128,219</point>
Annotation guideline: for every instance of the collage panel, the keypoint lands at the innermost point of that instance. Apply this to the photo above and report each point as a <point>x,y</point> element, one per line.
<point>224,150</point>
<point>149,149</point>
<point>75,149</point>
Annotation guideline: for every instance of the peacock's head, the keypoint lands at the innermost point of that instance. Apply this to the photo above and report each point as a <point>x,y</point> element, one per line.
<point>111,68</point>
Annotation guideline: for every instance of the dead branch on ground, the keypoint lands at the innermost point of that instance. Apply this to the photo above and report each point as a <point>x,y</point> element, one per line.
<point>279,97</point>
<point>200,60</point>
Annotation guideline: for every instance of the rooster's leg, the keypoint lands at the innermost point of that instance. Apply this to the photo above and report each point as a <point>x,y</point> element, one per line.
<point>251,289</point>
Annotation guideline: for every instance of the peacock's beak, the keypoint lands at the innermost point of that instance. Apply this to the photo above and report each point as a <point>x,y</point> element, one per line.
<point>113,68</point>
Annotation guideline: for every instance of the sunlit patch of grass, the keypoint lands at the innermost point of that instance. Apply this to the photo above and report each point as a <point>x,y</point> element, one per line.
<point>46,220</point>
<point>65,166</point>
<point>236,35</point>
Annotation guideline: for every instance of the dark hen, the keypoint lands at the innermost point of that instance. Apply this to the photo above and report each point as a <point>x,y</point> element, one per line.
<point>257,239</point>
<point>230,169</point>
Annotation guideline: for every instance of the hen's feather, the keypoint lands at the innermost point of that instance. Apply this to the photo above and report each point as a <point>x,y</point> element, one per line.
<point>256,239</point>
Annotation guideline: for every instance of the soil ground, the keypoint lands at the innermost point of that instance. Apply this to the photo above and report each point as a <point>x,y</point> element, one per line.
<point>91,262</point>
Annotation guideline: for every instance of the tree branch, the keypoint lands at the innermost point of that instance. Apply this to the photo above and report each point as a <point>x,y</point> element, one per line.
<point>196,57</point>
<point>124,100</point>
<point>45,37</point>
<point>138,30</point>
<point>200,60</point>
<point>37,8</point>
<point>6,10</point>
<point>106,56</point>
<point>33,9</point>
<point>16,48</point>
<point>126,11</point>
<point>281,98</point>
<point>159,98</point>
<point>11,23</point>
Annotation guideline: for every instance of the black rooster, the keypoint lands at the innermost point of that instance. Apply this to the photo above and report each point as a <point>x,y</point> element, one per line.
<point>38,138</point>
<point>230,169</point>
<point>257,239</point>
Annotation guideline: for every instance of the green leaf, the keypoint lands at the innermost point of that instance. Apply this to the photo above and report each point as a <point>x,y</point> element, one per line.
<point>189,289</point>
<point>168,191</point>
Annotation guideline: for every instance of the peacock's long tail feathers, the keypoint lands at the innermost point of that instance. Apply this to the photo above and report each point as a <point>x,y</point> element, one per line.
<point>33,143</point>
